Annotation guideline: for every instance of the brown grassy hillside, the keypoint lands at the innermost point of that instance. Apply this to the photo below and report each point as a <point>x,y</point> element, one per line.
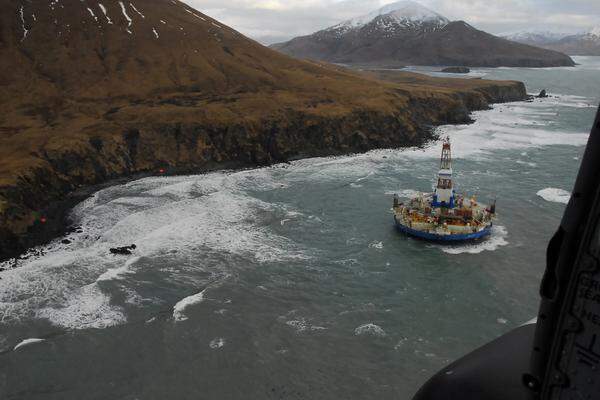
<point>153,85</point>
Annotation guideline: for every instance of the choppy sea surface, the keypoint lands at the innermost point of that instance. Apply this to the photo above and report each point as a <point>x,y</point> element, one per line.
<point>290,282</point>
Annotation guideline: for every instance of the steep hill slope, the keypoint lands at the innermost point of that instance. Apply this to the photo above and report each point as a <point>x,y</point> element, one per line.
<point>406,33</point>
<point>98,49</point>
<point>96,90</point>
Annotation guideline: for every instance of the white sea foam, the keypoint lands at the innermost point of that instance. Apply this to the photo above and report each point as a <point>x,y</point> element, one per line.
<point>327,169</point>
<point>301,325</point>
<point>48,287</point>
<point>184,213</point>
<point>117,273</point>
<point>85,307</point>
<point>496,130</point>
<point>181,306</point>
<point>160,215</point>
<point>518,126</point>
<point>496,240</point>
<point>370,329</point>
<point>376,245</point>
<point>357,184</point>
<point>555,195</point>
<point>569,101</point>
<point>404,193</point>
<point>217,343</point>
<point>529,164</point>
<point>28,342</point>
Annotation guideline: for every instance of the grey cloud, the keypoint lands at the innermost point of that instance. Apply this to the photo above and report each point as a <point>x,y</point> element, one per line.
<point>270,21</point>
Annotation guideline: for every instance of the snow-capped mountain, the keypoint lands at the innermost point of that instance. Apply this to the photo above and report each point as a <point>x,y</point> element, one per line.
<point>535,37</point>
<point>593,34</point>
<point>584,44</point>
<point>408,13</point>
<point>407,33</point>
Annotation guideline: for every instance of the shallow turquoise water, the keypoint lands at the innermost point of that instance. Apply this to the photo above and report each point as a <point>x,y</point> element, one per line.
<point>290,281</point>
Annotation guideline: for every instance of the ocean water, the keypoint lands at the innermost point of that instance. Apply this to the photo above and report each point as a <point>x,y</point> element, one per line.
<point>290,282</point>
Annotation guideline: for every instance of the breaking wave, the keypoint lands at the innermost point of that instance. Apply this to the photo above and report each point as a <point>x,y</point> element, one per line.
<point>117,273</point>
<point>217,343</point>
<point>182,305</point>
<point>28,342</point>
<point>495,241</point>
<point>370,329</point>
<point>85,307</point>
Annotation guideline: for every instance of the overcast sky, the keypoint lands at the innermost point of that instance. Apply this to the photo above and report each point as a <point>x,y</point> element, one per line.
<point>270,21</point>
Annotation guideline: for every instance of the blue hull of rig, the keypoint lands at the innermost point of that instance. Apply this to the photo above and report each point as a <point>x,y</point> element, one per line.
<point>444,238</point>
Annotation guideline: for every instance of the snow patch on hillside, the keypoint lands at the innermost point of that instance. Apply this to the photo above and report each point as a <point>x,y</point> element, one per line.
<point>136,10</point>
<point>127,17</point>
<point>25,30</point>
<point>408,10</point>
<point>92,14</point>
<point>194,14</point>
<point>105,13</point>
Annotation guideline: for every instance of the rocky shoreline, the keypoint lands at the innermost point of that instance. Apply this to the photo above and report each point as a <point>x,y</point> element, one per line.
<point>35,210</point>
